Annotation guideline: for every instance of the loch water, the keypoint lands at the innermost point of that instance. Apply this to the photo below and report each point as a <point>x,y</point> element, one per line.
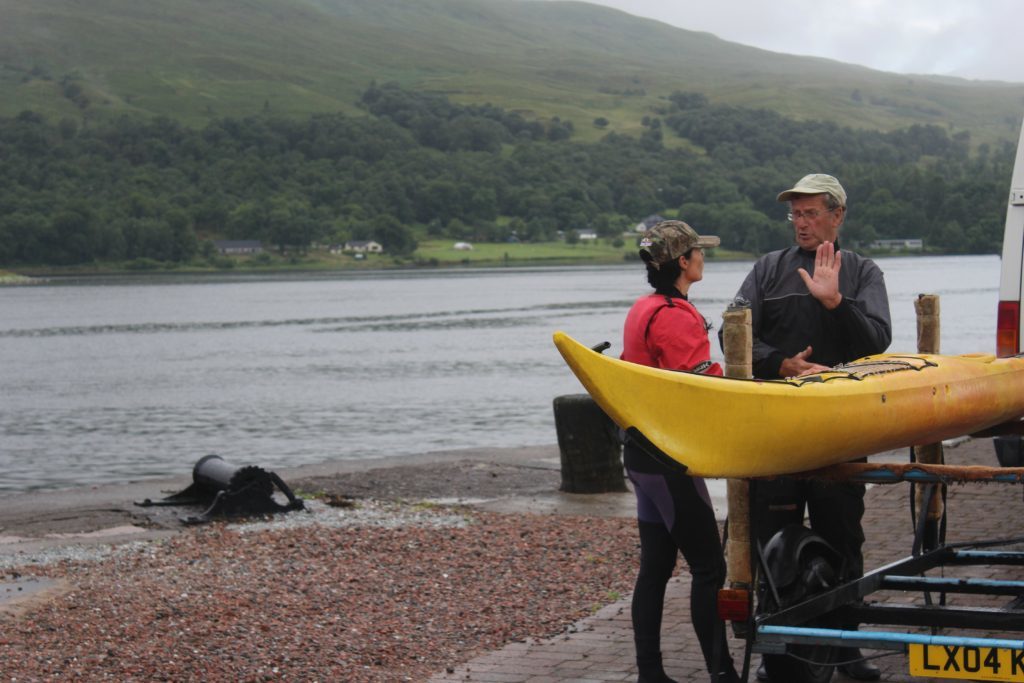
<point>125,378</point>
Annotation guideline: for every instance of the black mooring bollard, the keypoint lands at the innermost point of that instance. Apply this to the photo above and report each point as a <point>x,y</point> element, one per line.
<point>216,474</point>
<point>229,491</point>
<point>589,445</point>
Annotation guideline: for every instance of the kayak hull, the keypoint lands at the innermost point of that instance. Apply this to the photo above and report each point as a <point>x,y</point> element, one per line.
<point>727,427</point>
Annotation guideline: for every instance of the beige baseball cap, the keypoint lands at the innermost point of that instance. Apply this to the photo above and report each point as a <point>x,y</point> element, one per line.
<point>816,183</point>
<point>668,240</point>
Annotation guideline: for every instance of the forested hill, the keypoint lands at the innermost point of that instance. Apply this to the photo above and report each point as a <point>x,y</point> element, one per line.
<point>140,130</point>
<point>413,165</point>
<point>196,61</point>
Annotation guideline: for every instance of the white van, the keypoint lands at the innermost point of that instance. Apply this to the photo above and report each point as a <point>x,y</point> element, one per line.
<point>1009,330</point>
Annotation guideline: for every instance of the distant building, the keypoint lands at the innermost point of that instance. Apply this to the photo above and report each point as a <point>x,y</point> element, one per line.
<point>238,247</point>
<point>363,247</point>
<point>648,223</point>
<point>898,245</point>
<point>586,235</point>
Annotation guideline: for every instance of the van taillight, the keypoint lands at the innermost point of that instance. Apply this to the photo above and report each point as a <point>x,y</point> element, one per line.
<point>1008,329</point>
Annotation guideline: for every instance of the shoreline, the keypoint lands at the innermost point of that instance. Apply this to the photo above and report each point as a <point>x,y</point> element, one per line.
<point>24,275</point>
<point>510,480</point>
<point>505,480</point>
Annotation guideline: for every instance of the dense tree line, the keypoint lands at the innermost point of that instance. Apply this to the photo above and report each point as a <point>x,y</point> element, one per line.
<point>417,164</point>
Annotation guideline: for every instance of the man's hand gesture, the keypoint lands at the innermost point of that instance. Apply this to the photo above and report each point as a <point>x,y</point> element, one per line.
<point>824,286</point>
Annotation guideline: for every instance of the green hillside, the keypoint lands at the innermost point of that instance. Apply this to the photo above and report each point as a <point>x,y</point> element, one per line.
<point>200,60</point>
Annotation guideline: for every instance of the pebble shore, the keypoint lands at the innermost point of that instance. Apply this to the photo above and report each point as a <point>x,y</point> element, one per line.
<point>459,567</point>
<point>376,591</point>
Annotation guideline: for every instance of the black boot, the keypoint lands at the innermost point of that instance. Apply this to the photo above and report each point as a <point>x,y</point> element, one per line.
<point>725,672</point>
<point>727,676</point>
<point>857,667</point>
<point>762,673</point>
<point>650,670</point>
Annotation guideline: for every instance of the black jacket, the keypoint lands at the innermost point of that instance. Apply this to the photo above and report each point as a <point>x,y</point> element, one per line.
<point>786,319</point>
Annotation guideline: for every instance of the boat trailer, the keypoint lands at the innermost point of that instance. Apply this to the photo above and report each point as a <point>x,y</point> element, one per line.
<point>227,490</point>
<point>798,638</point>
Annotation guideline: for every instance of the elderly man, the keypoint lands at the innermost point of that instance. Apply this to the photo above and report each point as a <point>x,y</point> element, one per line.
<point>814,306</point>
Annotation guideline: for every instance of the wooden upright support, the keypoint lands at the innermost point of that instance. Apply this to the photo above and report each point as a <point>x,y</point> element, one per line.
<point>928,328</point>
<point>927,308</point>
<point>737,342</point>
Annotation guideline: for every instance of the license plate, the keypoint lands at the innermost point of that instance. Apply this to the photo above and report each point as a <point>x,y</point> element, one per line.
<point>964,662</point>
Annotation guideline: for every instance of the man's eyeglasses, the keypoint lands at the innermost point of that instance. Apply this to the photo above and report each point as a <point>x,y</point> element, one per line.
<point>809,214</point>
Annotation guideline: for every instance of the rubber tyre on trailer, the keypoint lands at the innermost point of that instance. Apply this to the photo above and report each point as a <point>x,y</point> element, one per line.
<point>803,564</point>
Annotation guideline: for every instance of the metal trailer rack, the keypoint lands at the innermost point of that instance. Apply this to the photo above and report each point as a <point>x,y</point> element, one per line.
<point>800,638</point>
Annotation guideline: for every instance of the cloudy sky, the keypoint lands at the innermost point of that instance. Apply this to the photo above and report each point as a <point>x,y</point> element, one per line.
<point>978,39</point>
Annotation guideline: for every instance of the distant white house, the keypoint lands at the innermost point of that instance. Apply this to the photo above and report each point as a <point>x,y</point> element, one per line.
<point>462,246</point>
<point>363,247</point>
<point>648,223</point>
<point>898,244</point>
<point>237,247</point>
<point>586,235</point>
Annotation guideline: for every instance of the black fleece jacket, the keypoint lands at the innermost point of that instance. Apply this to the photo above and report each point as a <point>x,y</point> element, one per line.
<point>786,319</point>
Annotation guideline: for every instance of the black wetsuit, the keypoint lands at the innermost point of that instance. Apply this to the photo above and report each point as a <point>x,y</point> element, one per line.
<point>674,511</point>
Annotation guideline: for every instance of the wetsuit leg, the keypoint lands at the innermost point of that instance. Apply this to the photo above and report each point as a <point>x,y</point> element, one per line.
<point>696,533</point>
<point>658,555</point>
<point>657,560</point>
<point>683,507</point>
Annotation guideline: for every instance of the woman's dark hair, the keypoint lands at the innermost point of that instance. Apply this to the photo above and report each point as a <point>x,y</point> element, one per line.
<point>664,276</point>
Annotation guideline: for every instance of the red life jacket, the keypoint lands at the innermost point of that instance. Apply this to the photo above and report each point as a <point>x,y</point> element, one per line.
<point>674,339</point>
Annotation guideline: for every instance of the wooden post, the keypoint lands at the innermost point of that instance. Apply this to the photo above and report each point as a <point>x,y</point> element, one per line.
<point>737,342</point>
<point>927,308</point>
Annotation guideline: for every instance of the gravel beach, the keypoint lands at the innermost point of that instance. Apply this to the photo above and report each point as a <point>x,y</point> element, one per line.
<point>392,573</point>
<point>459,566</point>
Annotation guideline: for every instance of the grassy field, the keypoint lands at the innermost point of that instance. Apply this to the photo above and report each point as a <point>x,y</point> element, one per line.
<point>599,252</point>
<point>443,252</point>
<point>430,254</point>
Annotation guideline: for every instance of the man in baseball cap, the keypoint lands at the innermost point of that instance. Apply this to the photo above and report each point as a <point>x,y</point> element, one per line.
<point>814,306</point>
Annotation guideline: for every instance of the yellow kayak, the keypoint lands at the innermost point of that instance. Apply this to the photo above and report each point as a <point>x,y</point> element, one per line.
<point>724,427</point>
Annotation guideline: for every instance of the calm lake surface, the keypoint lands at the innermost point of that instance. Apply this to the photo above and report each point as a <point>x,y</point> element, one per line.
<point>130,378</point>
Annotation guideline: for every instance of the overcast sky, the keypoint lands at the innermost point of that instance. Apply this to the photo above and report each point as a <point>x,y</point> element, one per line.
<point>979,39</point>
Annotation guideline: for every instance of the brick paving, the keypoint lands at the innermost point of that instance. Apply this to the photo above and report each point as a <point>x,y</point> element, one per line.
<point>599,649</point>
